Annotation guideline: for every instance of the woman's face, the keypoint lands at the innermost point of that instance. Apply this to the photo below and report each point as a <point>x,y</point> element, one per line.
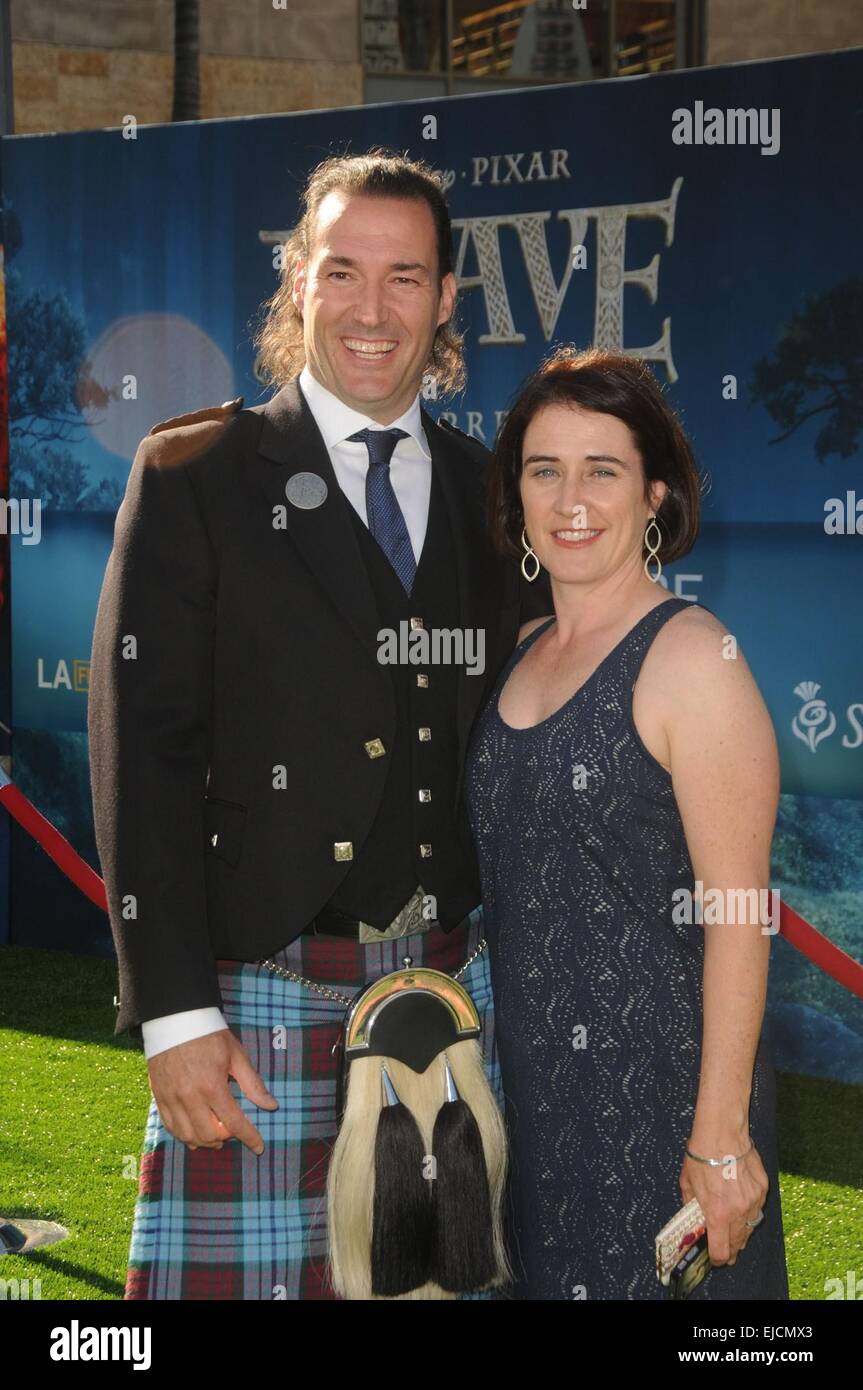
<point>582,491</point>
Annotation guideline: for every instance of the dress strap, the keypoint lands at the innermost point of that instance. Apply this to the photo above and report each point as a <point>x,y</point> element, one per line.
<point>531,636</point>
<point>634,646</point>
<point>519,650</point>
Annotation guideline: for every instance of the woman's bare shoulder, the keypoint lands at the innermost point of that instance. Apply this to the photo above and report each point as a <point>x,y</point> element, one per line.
<point>692,630</point>
<point>691,619</point>
<point>695,652</point>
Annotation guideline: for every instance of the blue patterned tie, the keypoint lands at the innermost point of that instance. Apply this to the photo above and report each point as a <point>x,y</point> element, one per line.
<point>385,517</point>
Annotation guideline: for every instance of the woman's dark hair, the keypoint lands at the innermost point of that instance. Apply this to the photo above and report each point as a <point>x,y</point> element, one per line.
<point>612,383</point>
<point>379,173</point>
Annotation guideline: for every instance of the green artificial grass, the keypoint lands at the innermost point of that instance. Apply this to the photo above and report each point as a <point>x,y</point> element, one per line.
<point>73,1107</point>
<point>74,1101</point>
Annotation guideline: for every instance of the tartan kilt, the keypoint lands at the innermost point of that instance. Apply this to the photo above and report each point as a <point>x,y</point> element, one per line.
<point>224,1224</point>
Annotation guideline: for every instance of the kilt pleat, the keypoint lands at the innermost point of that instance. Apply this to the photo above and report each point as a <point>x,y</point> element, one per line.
<point>225,1224</point>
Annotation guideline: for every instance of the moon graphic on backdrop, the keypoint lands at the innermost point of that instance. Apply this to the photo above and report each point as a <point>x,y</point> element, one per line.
<point>145,368</point>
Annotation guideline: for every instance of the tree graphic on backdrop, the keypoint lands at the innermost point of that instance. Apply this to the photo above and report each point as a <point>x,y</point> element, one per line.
<point>817,370</point>
<point>49,386</point>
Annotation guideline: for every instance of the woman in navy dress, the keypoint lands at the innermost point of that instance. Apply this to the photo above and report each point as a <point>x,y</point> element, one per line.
<point>622,784</point>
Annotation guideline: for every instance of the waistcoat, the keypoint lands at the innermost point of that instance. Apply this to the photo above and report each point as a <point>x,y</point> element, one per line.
<point>418,837</point>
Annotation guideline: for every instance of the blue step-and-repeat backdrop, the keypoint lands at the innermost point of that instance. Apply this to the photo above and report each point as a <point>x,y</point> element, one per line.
<point>708,220</point>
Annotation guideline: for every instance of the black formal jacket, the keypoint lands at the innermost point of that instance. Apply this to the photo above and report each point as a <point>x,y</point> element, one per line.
<point>227,650</point>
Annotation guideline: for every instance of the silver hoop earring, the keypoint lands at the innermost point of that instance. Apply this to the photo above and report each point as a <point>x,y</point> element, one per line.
<point>652,546</point>
<point>527,555</point>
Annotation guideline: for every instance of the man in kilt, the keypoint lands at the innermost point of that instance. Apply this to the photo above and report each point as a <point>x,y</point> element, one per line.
<point>277,737</point>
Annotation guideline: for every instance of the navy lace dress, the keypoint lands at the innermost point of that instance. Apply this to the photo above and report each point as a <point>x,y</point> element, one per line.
<point>598,994</point>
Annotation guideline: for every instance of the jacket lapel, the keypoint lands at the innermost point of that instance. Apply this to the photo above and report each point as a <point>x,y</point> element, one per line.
<point>292,443</point>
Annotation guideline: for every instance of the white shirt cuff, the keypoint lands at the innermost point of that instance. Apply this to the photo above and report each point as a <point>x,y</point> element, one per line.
<point>171,1029</point>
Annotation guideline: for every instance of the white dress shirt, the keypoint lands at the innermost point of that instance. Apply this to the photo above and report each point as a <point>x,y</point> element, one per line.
<point>411,477</point>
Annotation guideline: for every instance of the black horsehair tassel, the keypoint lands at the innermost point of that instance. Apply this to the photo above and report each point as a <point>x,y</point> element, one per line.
<point>403,1216</point>
<point>464,1251</point>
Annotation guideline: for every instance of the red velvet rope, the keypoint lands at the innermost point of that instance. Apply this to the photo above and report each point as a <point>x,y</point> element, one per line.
<point>815,946</point>
<point>55,845</point>
<point>801,934</point>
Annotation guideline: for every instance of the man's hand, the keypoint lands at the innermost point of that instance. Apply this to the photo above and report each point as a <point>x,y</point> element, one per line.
<point>190,1086</point>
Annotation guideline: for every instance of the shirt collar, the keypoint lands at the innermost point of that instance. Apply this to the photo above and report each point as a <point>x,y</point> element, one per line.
<point>336,420</point>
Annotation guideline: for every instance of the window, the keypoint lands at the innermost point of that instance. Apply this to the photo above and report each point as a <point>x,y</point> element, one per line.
<point>450,46</point>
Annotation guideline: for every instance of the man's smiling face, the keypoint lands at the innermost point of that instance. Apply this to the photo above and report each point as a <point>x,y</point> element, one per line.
<point>370,300</point>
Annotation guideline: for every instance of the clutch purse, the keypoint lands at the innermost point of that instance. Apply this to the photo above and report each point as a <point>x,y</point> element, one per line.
<point>677,1237</point>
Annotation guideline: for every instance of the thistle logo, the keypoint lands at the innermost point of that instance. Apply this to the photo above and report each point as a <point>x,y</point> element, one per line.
<point>808,720</point>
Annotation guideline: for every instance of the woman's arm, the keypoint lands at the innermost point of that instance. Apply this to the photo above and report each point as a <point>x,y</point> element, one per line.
<point>725,772</point>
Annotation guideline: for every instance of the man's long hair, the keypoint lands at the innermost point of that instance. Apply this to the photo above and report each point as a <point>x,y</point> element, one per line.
<point>380,173</point>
